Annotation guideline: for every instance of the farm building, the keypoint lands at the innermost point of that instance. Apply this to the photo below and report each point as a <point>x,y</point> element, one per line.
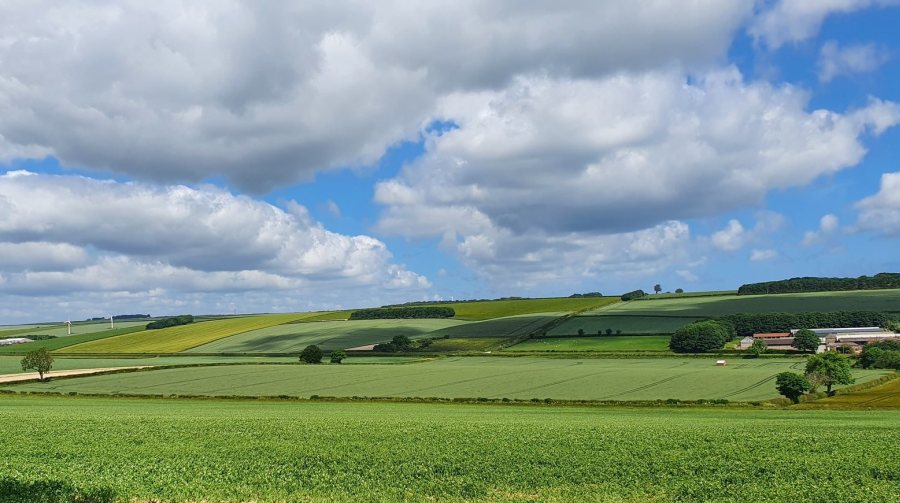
<point>832,339</point>
<point>14,340</point>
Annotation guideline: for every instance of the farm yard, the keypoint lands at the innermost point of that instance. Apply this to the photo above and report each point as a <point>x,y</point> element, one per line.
<point>521,378</point>
<point>185,450</point>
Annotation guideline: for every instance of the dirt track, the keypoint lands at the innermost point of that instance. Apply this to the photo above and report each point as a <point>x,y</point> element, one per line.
<point>5,379</point>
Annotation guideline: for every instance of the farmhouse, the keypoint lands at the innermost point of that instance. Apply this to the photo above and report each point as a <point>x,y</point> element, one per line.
<point>14,340</point>
<point>831,339</point>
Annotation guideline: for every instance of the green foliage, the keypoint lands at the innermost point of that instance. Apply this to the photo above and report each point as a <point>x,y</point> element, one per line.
<point>881,355</point>
<point>311,354</point>
<point>813,284</point>
<point>829,368</point>
<point>791,385</point>
<point>679,290</point>
<point>173,321</point>
<point>757,348</point>
<point>657,288</point>
<point>636,294</point>
<point>403,313</point>
<point>38,360</point>
<point>806,340</point>
<point>746,324</point>
<point>699,337</point>
<point>585,295</point>
<point>338,356</point>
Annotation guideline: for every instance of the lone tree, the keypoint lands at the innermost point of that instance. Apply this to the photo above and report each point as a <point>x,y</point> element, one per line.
<point>699,337</point>
<point>657,288</point>
<point>38,360</point>
<point>829,368</point>
<point>338,356</point>
<point>679,290</point>
<point>311,354</point>
<point>791,385</point>
<point>757,348</point>
<point>806,340</point>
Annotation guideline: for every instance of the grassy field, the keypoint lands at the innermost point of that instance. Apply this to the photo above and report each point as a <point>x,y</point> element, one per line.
<point>70,340</point>
<point>512,326</point>
<point>500,308</point>
<point>80,328</point>
<point>604,343</point>
<point>886,395</point>
<point>328,335</point>
<point>864,300</point>
<point>78,449</point>
<point>11,364</point>
<point>521,378</point>
<point>175,339</point>
<point>629,325</point>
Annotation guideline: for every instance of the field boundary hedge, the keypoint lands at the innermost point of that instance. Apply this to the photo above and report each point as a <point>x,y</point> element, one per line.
<point>387,313</point>
<point>881,281</point>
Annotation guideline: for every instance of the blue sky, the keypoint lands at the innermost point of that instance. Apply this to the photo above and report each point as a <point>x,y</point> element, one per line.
<point>282,157</point>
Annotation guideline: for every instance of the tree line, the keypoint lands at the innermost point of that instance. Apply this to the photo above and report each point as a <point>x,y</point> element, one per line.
<point>173,321</point>
<point>403,313</point>
<point>747,324</point>
<point>814,284</point>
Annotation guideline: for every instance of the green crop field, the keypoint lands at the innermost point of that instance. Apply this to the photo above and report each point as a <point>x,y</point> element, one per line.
<point>603,343</point>
<point>70,340</point>
<point>521,378</point>
<point>175,339</point>
<point>512,326</point>
<point>863,300</point>
<point>80,449</point>
<point>81,328</point>
<point>12,364</point>
<point>485,310</point>
<point>629,325</point>
<point>328,335</point>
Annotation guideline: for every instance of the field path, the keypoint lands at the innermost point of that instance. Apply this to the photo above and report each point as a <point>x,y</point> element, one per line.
<point>27,376</point>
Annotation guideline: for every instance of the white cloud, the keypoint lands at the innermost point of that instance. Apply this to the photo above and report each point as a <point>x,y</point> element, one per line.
<point>835,60</point>
<point>730,238</point>
<point>797,20</point>
<point>687,275</point>
<point>880,213</point>
<point>763,255</point>
<point>333,208</point>
<point>828,225</point>
<point>266,93</point>
<point>74,234</point>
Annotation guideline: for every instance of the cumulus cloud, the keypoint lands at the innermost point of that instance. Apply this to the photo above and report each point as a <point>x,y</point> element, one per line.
<point>763,255</point>
<point>266,93</point>
<point>835,60</point>
<point>734,236</point>
<point>730,238</point>
<point>68,234</point>
<point>880,213</point>
<point>563,157</point>
<point>796,20</point>
<point>828,225</point>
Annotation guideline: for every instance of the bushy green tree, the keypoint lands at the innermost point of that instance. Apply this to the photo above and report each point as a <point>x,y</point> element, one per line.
<point>791,385</point>
<point>830,369</point>
<point>699,337</point>
<point>38,360</point>
<point>806,340</point>
<point>311,354</point>
<point>757,348</point>
<point>657,288</point>
<point>401,342</point>
<point>338,356</point>
<point>679,290</point>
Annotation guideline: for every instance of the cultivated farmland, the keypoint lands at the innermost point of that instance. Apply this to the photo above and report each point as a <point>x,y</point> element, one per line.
<point>70,340</point>
<point>68,449</point>
<point>622,343</point>
<point>520,378</point>
<point>485,310</point>
<point>175,339</point>
<point>328,335</point>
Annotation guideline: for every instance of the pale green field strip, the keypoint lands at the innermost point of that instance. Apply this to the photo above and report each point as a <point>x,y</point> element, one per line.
<point>629,325</point>
<point>511,326</point>
<point>861,300</point>
<point>12,364</point>
<point>328,335</point>
<point>520,378</point>
<point>500,308</point>
<point>15,331</point>
<point>603,343</point>
<point>75,449</point>
<point>80,329</point>
<point>176,339</point>
<point>62,342</point>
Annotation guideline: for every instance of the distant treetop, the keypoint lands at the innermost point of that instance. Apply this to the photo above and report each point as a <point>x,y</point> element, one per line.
<point>814,284</point>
